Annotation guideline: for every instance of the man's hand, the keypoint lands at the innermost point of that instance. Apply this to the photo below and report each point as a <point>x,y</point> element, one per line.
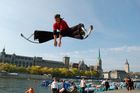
<point>55,43</point>
<point>55,40</point>
<point>60,37</point>
<point>59,44</point>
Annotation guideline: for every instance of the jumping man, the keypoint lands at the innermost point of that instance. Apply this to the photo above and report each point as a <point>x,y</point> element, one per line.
<point>64,30</point>
<point>60,29</point>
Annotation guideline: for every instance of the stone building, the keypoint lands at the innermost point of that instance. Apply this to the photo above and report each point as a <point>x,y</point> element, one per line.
<point>115,74</point>
<point>98,66</point>
<point>26,61</point>
<point>106,75</point>
<point>118,74</point>
<point>82,66</point>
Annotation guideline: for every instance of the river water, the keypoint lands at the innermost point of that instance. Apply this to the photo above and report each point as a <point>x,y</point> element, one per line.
<point>21,85</point>
<point>10,85</point>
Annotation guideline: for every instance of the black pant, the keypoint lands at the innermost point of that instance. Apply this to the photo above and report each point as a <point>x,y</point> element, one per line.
<point>55,90</point>
<point>73,32</point>
<point>83,89</point>
<point>106,88</point>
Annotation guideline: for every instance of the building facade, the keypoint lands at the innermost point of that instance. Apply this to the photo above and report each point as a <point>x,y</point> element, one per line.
<point>25,61</point>
<point>118,74</point>
<point>82,66</point>
<point>98,66</point>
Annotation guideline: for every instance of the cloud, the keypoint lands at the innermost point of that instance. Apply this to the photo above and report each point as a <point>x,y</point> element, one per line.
<point>133,48</point>
<point>125,49</point>
<point>117,49</point>
<point>92,54</point>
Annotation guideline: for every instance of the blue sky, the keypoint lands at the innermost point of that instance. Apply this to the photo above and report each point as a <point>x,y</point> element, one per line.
<point>116,30</point>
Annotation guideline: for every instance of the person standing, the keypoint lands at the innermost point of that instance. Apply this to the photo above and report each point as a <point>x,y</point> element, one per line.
<point>54,86</point>
<point>107,85</point>
<point>74,88</point>
<point>83,85</point>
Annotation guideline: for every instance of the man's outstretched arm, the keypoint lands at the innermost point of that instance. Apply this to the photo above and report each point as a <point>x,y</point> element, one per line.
<point>60,37</point>
<point>55,37</point>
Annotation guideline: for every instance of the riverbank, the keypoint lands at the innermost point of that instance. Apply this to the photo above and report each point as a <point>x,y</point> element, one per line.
<point>123,91</point>
<point>24,76</point>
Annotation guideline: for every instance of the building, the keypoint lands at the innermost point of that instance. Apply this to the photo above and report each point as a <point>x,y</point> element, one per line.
<point>115,74</point>
<point>126,67</point>
<point>98,66</point>
<point>82,66</point>
<point>106,75</point>
<point>135,75</point>
<point>25,61</point>
<point>118,74</point>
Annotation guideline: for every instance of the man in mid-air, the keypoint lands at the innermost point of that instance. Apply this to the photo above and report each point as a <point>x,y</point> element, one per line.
<point>64,30</point>
<point>60,29</point>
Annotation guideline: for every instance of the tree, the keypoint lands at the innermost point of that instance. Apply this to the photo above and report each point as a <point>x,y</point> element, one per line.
<point>74,71</point>
<point>35,70</point>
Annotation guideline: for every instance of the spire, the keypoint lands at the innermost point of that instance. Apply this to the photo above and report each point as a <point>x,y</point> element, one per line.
<point>126,61</point>
<point>127,68</point>
<point>99,61</point>
<point>99,53</point>
<point>3,49</point>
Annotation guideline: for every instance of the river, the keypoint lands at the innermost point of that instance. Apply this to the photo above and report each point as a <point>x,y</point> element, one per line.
<point>10,85</point>
<point>21,85</point>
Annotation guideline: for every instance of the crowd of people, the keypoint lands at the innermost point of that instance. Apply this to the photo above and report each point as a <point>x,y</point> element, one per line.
<point>129,84</point>
<point>62,86</point>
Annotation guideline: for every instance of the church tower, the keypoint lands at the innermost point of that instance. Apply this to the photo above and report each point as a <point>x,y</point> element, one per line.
<point>66,61</point>
<point>99,63</point>
<point>99,60</point>
<point>3,51</point>
<point>2,55</point>
<point>126,67</point>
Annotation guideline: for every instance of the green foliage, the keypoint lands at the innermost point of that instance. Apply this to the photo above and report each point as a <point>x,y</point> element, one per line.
<point>57,72</point>
<point>35,70</point>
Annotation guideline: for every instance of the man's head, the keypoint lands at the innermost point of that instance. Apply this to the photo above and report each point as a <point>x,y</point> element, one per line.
<point>54,78</point>
<point>57,18</point>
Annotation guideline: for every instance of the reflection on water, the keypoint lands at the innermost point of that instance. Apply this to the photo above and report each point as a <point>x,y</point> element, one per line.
<point>20,86</point>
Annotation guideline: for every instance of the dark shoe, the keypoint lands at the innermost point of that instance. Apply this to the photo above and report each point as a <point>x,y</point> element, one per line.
<point>81,25</point>
<point>82,32</point>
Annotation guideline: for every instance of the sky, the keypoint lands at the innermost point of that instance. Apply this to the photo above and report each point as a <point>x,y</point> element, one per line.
<point>116,30</point>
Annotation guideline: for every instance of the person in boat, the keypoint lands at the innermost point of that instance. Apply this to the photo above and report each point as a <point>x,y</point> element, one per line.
<point>83,85</point>
<point>30,90</point>
<point>107,85</point>
<point>54,86</point>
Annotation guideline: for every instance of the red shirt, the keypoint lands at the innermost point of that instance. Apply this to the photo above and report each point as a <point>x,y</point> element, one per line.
<point>60,26</point>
